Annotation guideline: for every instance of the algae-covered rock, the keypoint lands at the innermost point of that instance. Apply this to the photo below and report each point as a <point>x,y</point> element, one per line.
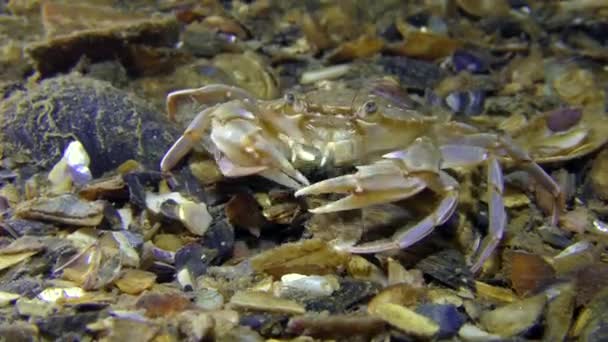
<point>36,124</point>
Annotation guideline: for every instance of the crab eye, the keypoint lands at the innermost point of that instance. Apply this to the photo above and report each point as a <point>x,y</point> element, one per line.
<point>290,98</point>
<point>370,107</point>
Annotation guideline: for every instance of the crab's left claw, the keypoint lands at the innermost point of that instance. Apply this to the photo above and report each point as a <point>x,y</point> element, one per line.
<point>246,147</point>
<point>378,183</point>
<point>191,137</point>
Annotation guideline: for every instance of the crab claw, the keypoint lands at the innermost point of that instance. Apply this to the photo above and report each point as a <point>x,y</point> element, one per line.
<point>378,183</point>
<point>247,149</point>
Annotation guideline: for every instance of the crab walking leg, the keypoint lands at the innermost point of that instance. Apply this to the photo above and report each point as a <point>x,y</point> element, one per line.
<point>192,135</point>
<point>498,215</point>
<point>208,95</point>
<point>527,164</point>
<point>503,145</point>
<point>407,236</point>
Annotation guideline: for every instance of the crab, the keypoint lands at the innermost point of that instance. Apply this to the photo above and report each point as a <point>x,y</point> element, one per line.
<point>397,151</point>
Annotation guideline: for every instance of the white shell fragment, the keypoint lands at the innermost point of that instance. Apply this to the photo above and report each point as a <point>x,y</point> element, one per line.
<point>194,216</point>
<point>469,332</point>
<point>154,201</point>
<point>54,294</point>
<point>311,285</point>
<point>130,257</point>
<point>73,168</point>
<point>126,217</point>
<point>331,72</point>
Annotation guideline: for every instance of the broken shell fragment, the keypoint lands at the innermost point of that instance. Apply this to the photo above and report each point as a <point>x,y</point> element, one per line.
<point>65,209</point>
<point>494,293</point>
<point>515,318</point>
<point>72,168</point>
<point>529,272</point>
<point>9,260</point>
<point>470,332</point>
<point>310,285</point>
<point>34,307</point>
<point>448,267</point>
<point>162,304</point>
<point>406,320</point>
<point>135,281</point>
<point>327,73</point>
<point>401,294</point>
<point>335,326</point>
<point>194,216</point>
<point>256,300</point>
<point>598,176</point>
<point>560,311</point>
<point>6,298</point>
<point>60,294</point>
<point>305,257</point>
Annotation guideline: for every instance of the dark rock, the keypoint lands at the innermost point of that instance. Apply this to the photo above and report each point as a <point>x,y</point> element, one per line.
<point>268,325</point>
<point>193,258</point>
<point>449,267</point>
<point>350,293</point>
<point>112,125</point>
<point>219,238</point>
<point>29,227</point>
<point>26,286</point>
<point>57,325</point>
<point>413,73</point>
<point>446,315</point>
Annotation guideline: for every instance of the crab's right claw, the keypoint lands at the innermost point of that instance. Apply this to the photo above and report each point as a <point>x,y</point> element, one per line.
<point>381,182</point>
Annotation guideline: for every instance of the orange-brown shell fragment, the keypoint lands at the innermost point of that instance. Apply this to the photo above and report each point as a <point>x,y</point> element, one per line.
<point>306,257</point>
<point>426,46</point>
<point>528,272</point>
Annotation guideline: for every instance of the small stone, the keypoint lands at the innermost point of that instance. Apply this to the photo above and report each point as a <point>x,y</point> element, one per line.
<point>161,305</point>
<point>446,315</point>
